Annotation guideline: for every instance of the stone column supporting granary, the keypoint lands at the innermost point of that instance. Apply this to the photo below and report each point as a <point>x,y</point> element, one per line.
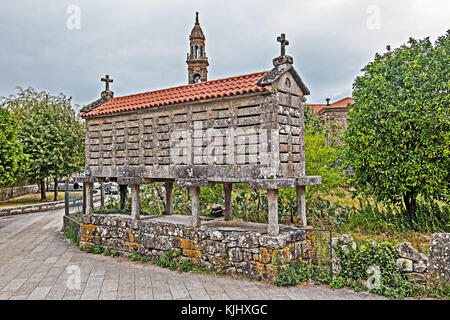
<point>241,129</point>
<point>89,198</point>
<point>227,188</point>
<point>272,198</point>
<point>301,204</point>
<point>135,206</point>
<point>168,185</point>
<point>195,195</point>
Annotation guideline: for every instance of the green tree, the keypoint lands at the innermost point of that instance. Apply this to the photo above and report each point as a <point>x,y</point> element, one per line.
<point>51,133</point>
<point>398,129</point>
<point>321,159</point>
<point>13,162</point>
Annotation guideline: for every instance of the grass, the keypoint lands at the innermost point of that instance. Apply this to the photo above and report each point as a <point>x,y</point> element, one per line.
<point>35,198</point>
<point>366,219</point>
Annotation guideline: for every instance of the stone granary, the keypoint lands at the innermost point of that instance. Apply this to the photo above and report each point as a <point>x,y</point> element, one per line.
<point>241,129</point>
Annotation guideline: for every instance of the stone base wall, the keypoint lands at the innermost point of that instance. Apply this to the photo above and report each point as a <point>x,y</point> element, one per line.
<point>246,253</point>
<point>417,265</point>
<point>38,207</point>
<point>8,193</point>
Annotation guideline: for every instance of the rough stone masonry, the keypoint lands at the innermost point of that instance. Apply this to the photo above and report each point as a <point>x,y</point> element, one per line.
<point>237,252</point>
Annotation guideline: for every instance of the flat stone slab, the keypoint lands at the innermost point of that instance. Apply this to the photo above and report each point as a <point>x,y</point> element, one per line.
<point>219,223</point>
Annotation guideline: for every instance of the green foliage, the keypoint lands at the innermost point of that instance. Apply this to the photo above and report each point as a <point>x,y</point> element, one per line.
<point>398,137</point>
<point>168,259</point>
<point>189,266</point>
<point>211,196</point>
<point>249,204</point>
<point>181,200</point>
<point>287,276</point>
<point>13,162</point>
<point>71,233</point>
<point>435,288</point>
<point>171,259</point>
<point>97,248</point>
<point>313,123</point>
<point>393,284</point>
<point>112,202</point>
<point>430,216</point>
<point>355,265</point>
<point>297,272</point>
<point>152,198</point>
<point>135,256</point>
<point>51,134</point>
<point>108,251</point>
<point>322,160</point>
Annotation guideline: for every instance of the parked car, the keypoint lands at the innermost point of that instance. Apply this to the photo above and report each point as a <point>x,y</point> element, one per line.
<point>110,187</point>
<point>62,186</point>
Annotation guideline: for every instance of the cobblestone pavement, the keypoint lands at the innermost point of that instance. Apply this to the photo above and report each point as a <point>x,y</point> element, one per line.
<point>38,262</point>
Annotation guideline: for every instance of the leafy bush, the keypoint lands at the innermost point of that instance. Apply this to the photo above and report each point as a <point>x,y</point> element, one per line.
<point>297,272</point>
<point>168,259</point>
<point>137,257</point>
<point>355,265</point>
<point>96,249</point>
<point>375,218</point>
<point>72,235</point>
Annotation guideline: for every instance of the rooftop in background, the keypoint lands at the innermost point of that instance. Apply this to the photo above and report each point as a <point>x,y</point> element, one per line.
<point>338,104</point>
<point>187,93</point>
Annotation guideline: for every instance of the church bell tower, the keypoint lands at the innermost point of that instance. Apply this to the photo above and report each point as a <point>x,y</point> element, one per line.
<point>196,59</point>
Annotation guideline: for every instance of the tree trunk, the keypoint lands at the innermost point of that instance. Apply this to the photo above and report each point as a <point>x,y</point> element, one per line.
<point>123,196</point>
<point>410,203</point>
<point>43,194</point>
<point>55,194</point>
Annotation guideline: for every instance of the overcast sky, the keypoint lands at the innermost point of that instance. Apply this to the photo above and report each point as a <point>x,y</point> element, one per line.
<point>143,44</point>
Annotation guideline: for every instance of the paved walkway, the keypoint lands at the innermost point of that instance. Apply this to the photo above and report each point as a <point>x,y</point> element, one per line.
<point>38,262</point>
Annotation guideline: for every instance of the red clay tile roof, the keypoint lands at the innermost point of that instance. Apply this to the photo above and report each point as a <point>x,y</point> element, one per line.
<point>338,104</point>
<point>192,92</point>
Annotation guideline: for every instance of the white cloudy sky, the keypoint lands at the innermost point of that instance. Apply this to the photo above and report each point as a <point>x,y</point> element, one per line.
<point>143,44</point>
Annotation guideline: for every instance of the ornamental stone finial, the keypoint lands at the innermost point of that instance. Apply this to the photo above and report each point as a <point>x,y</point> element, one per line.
<point>283,58</point>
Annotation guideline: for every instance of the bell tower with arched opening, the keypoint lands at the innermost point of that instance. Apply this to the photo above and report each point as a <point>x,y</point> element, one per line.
<point>196,58</point>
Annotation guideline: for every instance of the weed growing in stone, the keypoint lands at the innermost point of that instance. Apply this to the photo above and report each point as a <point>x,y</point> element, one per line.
<point>138,257</point>
<point>107,251</point>
<point>96,249</point>
<point>72,235</point>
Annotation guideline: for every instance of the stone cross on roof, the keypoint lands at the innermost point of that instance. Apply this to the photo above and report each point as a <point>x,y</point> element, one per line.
<point>284,43</point>
<point>107,80</point>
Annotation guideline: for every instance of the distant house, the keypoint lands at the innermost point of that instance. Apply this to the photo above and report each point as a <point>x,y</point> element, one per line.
<point>334,115</point>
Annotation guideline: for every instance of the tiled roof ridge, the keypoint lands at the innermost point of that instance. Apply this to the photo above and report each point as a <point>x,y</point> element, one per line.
<point>190,85</point>
<point>217,88</point>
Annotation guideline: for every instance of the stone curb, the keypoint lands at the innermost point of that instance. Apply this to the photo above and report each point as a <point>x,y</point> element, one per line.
<point>39,207</point>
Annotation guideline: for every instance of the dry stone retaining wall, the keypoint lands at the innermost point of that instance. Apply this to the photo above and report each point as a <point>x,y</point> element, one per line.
<point>416,264</point>
<point>8,193</point>
<point>245,253</point>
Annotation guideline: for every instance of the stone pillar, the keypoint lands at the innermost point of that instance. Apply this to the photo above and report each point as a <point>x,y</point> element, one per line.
<point>123,196</point>
<point>272,197</point>
<point>102,191</point>
<point>135,205</point>
<point>169,197</point>
<point>227,187</point>
<point>301,204</point>
<point>89,197</point>
<point>195,195</point>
